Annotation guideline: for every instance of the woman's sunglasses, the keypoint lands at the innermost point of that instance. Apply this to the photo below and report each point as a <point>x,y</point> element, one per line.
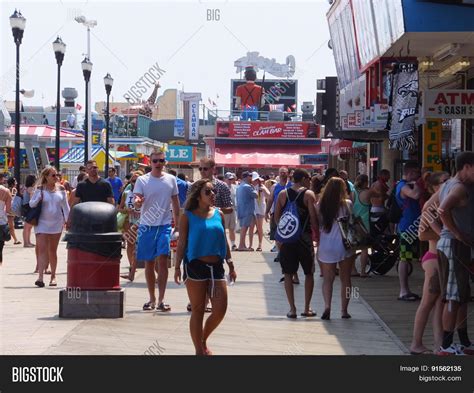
<point>157,160</point>
<point>209,191</point>
<point>203,168</point>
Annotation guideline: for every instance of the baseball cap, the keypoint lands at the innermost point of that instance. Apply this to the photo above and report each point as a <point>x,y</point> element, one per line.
<point>229,175</point>
<point>256,176</point>
<point>245,174</point>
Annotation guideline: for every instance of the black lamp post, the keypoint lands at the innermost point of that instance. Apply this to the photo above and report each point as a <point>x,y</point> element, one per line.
<point>86,70</point>
<point>108,82</point>
<point>59,49</point>
<point>17,23</point>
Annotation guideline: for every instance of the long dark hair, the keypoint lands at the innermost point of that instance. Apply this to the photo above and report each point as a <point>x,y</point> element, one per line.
<point>192,201</point>
<point>332,199</point>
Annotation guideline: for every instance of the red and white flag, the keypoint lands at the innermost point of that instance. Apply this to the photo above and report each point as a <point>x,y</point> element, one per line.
<point>78,107</point>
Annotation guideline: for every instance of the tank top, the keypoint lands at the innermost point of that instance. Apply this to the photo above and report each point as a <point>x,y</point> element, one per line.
<point>410,209</point>
<point>361,209</point>
<point>278,188</point>
<point>206,236</point>
<point>462,215</point>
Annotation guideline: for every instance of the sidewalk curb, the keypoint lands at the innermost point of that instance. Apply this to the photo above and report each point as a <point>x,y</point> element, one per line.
<point>385,327</point>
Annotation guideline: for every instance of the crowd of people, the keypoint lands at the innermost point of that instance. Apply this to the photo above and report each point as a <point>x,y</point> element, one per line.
<point>157,206</point>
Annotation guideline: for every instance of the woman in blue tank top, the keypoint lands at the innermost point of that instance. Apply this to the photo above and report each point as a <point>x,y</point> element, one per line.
<point>203,246</point>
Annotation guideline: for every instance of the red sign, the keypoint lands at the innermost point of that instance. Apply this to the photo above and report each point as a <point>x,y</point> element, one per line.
<point>258,129</point>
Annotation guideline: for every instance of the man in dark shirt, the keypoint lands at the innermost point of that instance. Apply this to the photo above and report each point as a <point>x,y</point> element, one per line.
<point>94,188</point>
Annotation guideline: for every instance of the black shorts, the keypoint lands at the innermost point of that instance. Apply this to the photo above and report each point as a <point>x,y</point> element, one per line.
<point>273,228</point>
<point>294,254</point>
<point>197,270</point>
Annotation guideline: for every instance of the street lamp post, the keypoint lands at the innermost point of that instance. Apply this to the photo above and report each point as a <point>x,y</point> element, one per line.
<point>86,70</point>
<point>17,23</point>
<point>59,49</point>
<point>108,82</point>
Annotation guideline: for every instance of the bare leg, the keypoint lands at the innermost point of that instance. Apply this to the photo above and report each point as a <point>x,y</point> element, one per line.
<point>243,233</point>
<point>345,268</point>
<point>308,291</point>
<point>438,323</point>
<point>219,308</point>
<point>162,276</point>
<point>197,296</point>
<point>150,279</point>
<point>403,278</point>
<point>290,294</point>
<point>42,255</point>
<point>53,241</point>
<point>329,274</point>
<point>251,232</point>
<point>11,225</point>
<point>27,235</point>
<point>260,231</point>
<point>364,259</point>
<point>428,301</point>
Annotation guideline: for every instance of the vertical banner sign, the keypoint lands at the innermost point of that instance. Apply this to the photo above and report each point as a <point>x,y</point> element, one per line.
<point>432,139</point>
<point>193,120</point>
<point>404,105</point>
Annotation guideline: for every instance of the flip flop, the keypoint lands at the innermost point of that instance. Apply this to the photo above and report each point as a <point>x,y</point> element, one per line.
<point>310,313</point>
<point>17,242</point>
<point>409,297</point>
<point>208,309</point>
<point>346,316</point>
<point>148,306</point>
<point>163,307</point>
<point>425,352</point>
<point>291,316</point>
<point>259,249</point>
<point>326,315</point>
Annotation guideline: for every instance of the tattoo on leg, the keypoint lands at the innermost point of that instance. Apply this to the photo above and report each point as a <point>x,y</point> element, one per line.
<point>433,285</point>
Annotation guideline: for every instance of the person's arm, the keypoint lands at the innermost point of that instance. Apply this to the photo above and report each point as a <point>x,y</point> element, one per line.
<point>35,199</point>
<point>8,202</point>
<point>310,200</point>
<point>279,206</point>
<point>122,208</point>
<point>413,193</point>
<point>110,194</point>
<point>266,193</point>
<point>228,258</point>
<point>65,206</point>
<point>182,246</point>
<point>138,193</point>
<point>270,203</point>
<point>77,195</point>
<point>175,207</point>
<point>455,198</point>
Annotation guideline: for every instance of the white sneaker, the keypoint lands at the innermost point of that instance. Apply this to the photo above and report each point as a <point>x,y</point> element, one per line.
<point>454,349</point>
<point>466,350</point>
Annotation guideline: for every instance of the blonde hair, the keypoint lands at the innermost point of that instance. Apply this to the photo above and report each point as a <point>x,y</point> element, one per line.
<point>44,174</point>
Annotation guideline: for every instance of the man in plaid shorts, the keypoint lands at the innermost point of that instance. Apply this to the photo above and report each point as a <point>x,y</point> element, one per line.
<point>455,248</point>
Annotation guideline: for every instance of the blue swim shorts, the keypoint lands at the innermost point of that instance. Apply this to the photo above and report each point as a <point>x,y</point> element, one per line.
<point>153,241</point>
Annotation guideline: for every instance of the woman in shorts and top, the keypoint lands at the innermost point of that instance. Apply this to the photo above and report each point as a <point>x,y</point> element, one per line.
<point>130,227</point>
<point>13,187</point>
<point>54,214</point>
<point>260,208</point>
<point>334,204</point>
<point>429,230</point>
<point>203,241</point>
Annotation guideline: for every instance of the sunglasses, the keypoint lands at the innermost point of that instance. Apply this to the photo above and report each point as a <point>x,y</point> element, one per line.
<point>157,160</point>
<point>209,191</point>
<point>203,168</point>
<point>53,175</point>
<point>94,167</point>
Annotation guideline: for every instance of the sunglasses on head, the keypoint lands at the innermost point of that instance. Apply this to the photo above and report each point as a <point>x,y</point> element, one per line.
<point>157,160</point>
<point>208,191</point>
<point>203,168</point>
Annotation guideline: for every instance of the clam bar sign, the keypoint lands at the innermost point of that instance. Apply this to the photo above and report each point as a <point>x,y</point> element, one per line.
<point>449,104</point>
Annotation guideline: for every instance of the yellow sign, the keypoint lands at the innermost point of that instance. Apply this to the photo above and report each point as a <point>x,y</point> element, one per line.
<point>432,140</point>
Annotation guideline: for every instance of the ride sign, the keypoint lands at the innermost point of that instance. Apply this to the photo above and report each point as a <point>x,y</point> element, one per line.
<point>449,104</point>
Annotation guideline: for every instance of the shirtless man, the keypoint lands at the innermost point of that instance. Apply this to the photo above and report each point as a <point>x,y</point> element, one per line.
<point>378,213</point>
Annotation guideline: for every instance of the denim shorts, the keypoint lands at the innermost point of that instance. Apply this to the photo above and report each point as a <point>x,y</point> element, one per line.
<point>153,241</point>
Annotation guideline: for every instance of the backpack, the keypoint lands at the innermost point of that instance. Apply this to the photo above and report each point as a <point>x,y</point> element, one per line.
<point>289,227</point>
<point>395,211</point>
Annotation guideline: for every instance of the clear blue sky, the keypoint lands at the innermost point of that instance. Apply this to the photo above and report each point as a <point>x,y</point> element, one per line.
<point>132,37</point>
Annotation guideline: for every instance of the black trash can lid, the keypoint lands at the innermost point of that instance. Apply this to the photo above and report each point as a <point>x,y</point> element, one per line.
<point>93,218</point>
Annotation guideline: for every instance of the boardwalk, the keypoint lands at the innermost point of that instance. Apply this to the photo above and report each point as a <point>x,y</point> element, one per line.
<point>255,322</point>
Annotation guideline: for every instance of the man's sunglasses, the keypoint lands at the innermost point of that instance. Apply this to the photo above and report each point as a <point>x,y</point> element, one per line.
<point>203,168</point>
<point>94,167</point>
<point>157,160</point>
<point>208,191</point>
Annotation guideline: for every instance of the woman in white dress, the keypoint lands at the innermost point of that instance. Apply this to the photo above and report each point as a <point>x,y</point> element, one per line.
<point>333,204</point>
<point>54,213</point>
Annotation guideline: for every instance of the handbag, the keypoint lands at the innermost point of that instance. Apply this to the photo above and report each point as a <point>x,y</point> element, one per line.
<point>354,233</point>
<point>32,216</point>
<point>5,235</point>
<point>121,220</point>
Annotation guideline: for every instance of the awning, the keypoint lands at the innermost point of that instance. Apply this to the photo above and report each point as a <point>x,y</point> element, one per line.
<point>75,155</point>
<point>123,155</point>
<point>45,131</point>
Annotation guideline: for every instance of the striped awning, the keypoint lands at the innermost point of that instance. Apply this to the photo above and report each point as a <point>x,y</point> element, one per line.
<point>123,155</point>
<point>75,155</point>
<point>45,131</point>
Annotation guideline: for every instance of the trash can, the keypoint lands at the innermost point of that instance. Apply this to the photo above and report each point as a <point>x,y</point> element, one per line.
<point>94,247</point>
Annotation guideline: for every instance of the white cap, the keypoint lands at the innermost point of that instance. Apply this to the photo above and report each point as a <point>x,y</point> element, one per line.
<point>256,176</point>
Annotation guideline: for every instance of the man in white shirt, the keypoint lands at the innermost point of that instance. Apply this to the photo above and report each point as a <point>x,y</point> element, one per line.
<point>155,193</point>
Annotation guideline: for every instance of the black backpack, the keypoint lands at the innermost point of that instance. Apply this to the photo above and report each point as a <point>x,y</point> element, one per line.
<point>395,211</point>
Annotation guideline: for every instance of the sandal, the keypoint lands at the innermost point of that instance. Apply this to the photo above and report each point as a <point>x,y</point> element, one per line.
<point>409,297</point>
<point>188,307</point>
<point>163,307</point>
<point>53,283</point>
<point>291,315</point>
<point>208,309</point>
<point>259,249</point>
<point>309,313</point>
<point>346,316</point>
<point>149,306</point>
<point>17,242</point>
<point>326,314</point>
<point>39,284</point>
<point>234,247</point>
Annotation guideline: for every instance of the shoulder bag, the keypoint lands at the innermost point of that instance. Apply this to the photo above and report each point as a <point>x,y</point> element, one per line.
<point>34,213</point>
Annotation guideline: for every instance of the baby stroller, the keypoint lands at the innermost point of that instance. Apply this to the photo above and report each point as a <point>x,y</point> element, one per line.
<point>384,254</point>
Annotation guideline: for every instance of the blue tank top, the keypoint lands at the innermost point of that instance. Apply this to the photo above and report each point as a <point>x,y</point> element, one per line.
<point>206,236</point>
<point>411,210</point>
<point>278,188</point>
